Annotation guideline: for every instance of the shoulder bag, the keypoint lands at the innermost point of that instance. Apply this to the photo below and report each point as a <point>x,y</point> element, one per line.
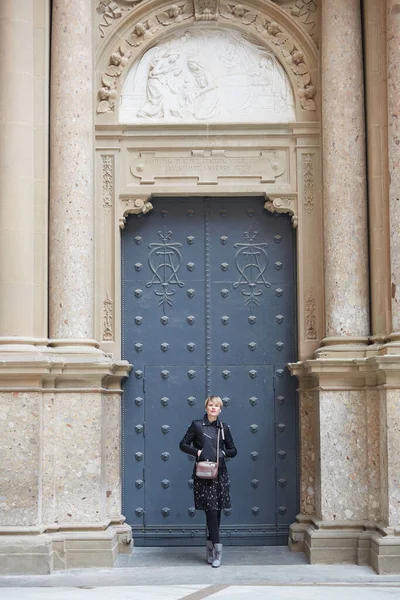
<point>206,469</point>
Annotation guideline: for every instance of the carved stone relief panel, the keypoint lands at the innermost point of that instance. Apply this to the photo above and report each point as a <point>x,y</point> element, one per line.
<point>213,75</point>
<point>189,76</point>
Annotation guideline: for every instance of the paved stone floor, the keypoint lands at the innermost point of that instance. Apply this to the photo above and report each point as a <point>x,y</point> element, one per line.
<point>181,574</point>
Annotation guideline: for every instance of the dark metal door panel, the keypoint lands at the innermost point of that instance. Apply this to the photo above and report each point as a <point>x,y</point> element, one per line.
<point>173,399</point>
<point>248,397</point>
<point>252,268</point>
<point>163,273</point>
<point>209,307</point>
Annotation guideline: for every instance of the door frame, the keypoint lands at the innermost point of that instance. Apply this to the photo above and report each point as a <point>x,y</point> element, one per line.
<point>282,530</point>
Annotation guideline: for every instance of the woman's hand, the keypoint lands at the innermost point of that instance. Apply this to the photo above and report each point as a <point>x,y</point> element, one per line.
<point>198,453</point>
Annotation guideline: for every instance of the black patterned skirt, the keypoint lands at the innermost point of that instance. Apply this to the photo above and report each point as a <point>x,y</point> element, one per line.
<point>212,494</point>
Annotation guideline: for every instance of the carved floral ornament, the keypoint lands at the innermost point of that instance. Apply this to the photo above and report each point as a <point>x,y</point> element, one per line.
<point>237,14</point>
<point>305,11</point>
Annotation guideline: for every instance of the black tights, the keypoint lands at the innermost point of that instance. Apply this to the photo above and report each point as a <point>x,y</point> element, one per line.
<point>213,518</point>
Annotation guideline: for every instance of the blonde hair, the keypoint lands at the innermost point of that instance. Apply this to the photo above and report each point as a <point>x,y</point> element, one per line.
<point>216,399</point>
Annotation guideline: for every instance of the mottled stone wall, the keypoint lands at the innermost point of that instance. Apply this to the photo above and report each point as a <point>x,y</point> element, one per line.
<point>308,409</point>
<point>390,407</point>
<point>372,400</point>
<point>383,458</point>
<point>112,454</point>
<point>72,428</point>
<point>20,444</point>
<point>343,455</point>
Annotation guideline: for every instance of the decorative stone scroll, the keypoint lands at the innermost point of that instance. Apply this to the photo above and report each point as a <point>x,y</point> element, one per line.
<point>283,205</point>
<point>133,206</point>
<point>250,19</point>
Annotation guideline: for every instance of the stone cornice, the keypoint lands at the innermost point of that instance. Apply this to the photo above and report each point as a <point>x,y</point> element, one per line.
<point>61,373</point>
<point>348,373</point>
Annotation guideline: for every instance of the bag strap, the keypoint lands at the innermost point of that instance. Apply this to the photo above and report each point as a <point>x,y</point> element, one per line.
<point>219,431</point>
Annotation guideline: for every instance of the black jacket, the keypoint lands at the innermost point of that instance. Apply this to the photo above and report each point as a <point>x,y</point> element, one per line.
<point>202,435</point>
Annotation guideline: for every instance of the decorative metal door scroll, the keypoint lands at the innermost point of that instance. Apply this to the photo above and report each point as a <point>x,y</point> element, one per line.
<point>251,261</point>
<point>165,262</point>
<point>209,307</point>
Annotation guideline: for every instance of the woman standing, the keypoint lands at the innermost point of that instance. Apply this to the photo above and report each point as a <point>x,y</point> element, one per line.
<point>211,495</point>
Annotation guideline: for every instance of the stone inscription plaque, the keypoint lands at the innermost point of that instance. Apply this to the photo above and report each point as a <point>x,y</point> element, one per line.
<point>209,166</point>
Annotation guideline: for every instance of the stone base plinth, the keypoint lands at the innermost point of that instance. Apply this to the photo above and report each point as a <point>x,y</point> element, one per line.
<point>41,554</point>
<point>385,553</point>
<point>26,554</point>
<point>346,543</point>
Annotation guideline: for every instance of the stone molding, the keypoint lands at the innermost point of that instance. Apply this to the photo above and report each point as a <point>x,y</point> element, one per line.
<point>268,23</point>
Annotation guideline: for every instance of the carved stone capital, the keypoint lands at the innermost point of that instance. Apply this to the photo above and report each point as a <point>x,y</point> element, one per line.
<point>283,205</point>
<point>133,206</point>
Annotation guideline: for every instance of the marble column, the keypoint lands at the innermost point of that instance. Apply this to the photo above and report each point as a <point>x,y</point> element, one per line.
<point>71,175</point>
<point>344,172</point>
<point>378,173</point>
<point>17,190</point>
<point>393,75</point>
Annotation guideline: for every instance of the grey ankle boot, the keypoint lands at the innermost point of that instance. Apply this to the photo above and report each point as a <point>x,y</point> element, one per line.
<point>217,555</point>
<point>209,552</point>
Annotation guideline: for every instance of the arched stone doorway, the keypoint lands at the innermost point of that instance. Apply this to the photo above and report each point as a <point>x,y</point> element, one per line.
<point>205,107</point>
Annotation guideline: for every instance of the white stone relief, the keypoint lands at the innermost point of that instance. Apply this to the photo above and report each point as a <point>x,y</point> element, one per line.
<point>207,75</point>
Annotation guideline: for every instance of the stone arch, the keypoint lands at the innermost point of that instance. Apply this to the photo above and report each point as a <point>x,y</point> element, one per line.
<point>268,26</point>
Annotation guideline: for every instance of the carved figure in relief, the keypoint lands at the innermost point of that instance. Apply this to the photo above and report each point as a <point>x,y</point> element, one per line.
<point>140,33</point>
<point>238,11</point>
<point>199,94</point>
<point>235,80</point>
<point>160,82</point>
<point>175,14</point>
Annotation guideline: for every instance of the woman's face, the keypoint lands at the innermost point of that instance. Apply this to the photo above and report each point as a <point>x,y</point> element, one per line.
<point>213,409</point>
